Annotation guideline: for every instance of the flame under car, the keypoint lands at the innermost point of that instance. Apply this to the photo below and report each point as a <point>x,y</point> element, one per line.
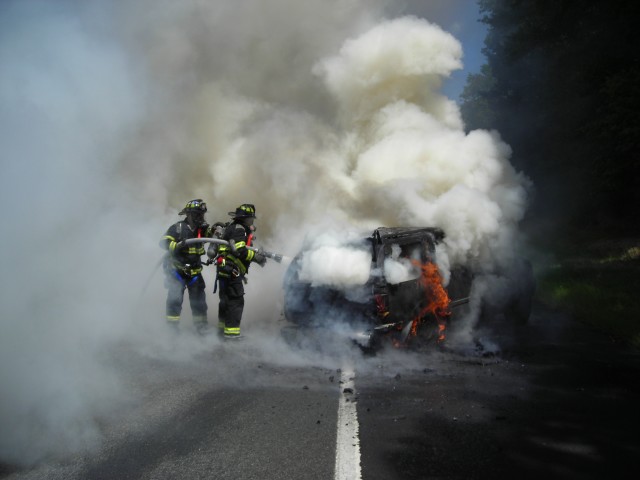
<point>399,298</point>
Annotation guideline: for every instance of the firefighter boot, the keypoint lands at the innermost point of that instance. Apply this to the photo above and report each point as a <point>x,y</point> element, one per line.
<point>201,324</point>
<point>174,324</point>
<point>232,333</point>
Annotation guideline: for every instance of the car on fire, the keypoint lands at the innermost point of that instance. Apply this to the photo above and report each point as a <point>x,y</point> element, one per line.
<point>400,298</point>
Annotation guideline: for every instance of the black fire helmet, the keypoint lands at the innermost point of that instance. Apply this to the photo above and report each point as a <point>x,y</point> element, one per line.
<point>246,210</point>
<point>194,206</point>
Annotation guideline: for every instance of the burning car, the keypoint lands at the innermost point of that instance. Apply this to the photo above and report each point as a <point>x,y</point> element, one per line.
<point>387,288</point>
<point>383,287</point>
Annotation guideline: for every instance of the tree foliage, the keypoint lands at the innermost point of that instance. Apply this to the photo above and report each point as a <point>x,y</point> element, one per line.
<point>562,86</point>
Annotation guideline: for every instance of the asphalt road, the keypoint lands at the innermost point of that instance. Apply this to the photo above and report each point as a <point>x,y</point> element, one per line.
<point>551,399</point>
<point>559,401</point>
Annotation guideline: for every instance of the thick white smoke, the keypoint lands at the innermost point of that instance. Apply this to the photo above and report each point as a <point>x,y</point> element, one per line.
<point>326,114</point>
<point>336,265</point>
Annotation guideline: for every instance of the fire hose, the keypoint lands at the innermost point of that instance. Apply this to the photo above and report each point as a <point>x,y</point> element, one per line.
<point>218,241</point>
<point>231,244</point>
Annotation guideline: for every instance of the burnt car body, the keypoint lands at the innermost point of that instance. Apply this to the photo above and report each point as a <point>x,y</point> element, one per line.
<point>379,308</point>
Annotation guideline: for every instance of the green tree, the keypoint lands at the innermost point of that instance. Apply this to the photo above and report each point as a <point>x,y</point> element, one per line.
<point>561,86</point>
<point>476,108</point>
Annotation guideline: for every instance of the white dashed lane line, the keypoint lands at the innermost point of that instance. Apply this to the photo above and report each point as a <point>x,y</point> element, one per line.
<point>347,443</point>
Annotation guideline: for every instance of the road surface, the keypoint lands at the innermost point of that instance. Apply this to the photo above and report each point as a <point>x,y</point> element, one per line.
<point>548,400</point>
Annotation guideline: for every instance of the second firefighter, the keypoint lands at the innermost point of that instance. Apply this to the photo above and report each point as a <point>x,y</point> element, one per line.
<point>232,267</point>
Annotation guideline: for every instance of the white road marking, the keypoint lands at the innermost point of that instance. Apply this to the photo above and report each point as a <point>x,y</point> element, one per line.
<point>348,442</point>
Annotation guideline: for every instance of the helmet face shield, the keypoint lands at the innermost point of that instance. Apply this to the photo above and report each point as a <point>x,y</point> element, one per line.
<point>248,221</point>
<point>197,217</point>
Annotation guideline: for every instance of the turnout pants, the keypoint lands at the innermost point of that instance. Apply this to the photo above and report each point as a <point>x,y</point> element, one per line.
<point>176,284</point>
<point>231,292</point>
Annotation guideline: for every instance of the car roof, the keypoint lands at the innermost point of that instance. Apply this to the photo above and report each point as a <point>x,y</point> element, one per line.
<point>391,234</point>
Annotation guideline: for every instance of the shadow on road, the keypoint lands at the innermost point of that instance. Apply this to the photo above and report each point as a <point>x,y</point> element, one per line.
<point>560,401</point>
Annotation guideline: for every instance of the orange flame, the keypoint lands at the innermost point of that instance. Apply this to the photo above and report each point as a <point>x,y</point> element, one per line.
<point>437,299</point>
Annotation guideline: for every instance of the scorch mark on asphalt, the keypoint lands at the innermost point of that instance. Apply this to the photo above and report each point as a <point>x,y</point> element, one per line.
<point>348,442</point>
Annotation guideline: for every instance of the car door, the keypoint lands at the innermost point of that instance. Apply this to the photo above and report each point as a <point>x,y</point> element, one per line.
<point>406,296</point>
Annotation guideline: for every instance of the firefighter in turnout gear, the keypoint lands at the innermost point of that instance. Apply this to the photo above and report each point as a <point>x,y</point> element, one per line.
<point>183,265</point>
<point>232,266</point>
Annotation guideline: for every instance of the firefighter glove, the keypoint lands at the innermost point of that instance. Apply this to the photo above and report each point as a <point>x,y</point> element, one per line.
<point>260,259</point>
<point>218,229</point>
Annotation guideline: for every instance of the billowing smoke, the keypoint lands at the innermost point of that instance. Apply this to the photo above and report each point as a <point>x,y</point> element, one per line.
<point>326,114</point>
<point>333,261</point>
<point>397,269</point>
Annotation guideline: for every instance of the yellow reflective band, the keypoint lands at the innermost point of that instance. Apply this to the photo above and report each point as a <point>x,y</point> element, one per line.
<point>232,331</point>
<point>168,237</point>
<point>250,255</point>
<point>238,263</point>
<point>241,245</point>
<point>171,318</point>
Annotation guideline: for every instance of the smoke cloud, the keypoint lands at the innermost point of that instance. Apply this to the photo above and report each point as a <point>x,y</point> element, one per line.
<point>324,114</point>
